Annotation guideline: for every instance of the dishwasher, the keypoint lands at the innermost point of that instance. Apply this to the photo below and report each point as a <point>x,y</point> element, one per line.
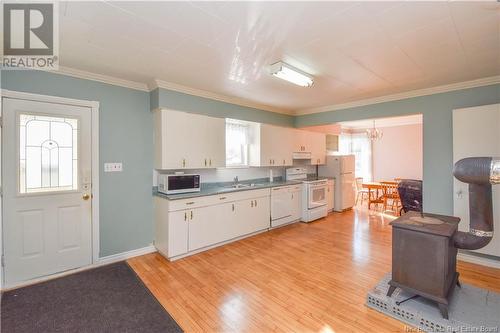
<point>285,205</point>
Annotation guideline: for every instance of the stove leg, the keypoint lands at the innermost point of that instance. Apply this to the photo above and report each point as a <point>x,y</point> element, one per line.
<point>444,310</point>
<point>390,291</point>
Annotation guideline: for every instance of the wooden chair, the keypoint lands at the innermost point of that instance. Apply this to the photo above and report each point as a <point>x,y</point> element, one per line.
<point>390,194</point>
<point>360,191</point>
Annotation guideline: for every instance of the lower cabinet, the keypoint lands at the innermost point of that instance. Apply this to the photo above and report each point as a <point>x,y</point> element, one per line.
<point>209,222</point>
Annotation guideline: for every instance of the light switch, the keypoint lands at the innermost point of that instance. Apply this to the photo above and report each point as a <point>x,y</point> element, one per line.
<point>113,167</point>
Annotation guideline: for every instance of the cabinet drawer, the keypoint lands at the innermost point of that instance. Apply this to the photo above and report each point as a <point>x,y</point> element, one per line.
<point>174,205</point>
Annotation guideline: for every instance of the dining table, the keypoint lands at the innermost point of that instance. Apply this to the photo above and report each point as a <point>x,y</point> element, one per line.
<point>376,188</point>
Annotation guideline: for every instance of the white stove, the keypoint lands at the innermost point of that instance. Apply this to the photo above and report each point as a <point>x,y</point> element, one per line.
<point>313,194</point>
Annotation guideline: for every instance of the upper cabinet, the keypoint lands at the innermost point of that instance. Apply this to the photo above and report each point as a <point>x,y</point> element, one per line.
<point>316,144</point>
<point>272,146</point>
<point>188,141</point>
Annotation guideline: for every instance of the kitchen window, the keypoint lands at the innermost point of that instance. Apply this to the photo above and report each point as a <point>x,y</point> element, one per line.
<point>237,142</point>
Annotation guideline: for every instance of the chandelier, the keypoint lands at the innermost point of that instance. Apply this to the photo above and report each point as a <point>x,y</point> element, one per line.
<point>374,133</point>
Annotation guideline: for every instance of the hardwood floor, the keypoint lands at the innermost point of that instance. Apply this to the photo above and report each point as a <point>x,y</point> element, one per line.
<point>300,278</point>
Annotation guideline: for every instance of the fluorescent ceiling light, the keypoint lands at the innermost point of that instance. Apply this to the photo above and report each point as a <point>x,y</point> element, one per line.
<point>291,74</point>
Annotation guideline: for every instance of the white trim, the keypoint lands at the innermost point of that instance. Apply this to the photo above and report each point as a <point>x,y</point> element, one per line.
<point>467,257</point>
<point>102,262</point>
<point>94,109</point>
<point>409,94</point>
<point>100,78</point>
<point>214,96</point>
<point>126,255</point>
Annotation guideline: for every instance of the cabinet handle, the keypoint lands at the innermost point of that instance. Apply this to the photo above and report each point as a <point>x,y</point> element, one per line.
<point>185,216</point>
<point>292,195</point>
<point>251,203</point>
<point>190,203</point>
<point>233,207</point>
<point>210,162</point>
<point>255,203</point>
<point>270,162</point>
<point>191,215</point>
<point>205,162</point>
<point>222,198</point>
<point>284,162</point>
<point>183,162</point>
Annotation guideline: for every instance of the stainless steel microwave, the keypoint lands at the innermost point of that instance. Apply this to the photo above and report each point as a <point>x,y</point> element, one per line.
<point>175,184</point>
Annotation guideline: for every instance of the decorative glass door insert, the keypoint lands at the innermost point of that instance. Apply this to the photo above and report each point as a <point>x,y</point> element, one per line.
<point>48,154</point>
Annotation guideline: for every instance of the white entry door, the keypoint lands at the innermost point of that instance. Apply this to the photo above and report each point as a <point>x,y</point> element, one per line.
<point>47,174</point>
<point>476,133</point>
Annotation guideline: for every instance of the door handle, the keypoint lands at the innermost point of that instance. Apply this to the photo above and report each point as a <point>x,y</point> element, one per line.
<point>86,196</point>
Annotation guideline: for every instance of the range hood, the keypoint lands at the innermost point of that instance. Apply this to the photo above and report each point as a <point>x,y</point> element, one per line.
<point>302,155</point>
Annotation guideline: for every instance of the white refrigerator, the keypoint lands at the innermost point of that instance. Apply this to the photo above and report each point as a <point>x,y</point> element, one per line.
<point>341,167</point>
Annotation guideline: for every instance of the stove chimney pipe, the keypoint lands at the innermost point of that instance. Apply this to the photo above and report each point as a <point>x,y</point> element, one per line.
<point>480,173</point>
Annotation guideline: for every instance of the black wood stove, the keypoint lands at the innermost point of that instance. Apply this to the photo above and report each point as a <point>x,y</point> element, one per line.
<point>424,256</point>
<point>424,246</point>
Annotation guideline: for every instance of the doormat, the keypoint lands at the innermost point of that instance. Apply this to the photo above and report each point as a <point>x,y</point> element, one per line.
<point>471,309</point>
<point>106,299</point>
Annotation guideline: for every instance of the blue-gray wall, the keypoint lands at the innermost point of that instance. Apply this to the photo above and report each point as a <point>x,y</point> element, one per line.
<point>125,133</point>
<point>438,133</point>
<point>183,102</point>
<point>126,125</point>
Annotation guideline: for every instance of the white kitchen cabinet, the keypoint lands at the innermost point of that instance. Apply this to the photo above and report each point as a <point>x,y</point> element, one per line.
<point>171,229</point>
<point>252,215</point>
<point>300,141</point>
<point>188,141</point>
<point>296,200</point>
<point>330,192</point>
<point>207,226</point>
<point>317,145</point>
<point>188,225</point>
<point>272,147</point>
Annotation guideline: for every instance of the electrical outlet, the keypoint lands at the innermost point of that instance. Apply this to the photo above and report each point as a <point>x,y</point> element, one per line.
<point>113,167</point>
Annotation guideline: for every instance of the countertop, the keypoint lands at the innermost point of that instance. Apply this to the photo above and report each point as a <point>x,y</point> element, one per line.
<point>223,188</point>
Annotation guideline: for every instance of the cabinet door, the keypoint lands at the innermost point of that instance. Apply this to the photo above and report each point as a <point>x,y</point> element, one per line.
<point>296,205</point>
<point>212,142</point>
<point>317,144</point>
<point>267,145</point>
<point>252,215</point>
<point>286,146</point>
<point>177,233</point>
<point>169,154</point>
<point>329,196</point>
<point>300,141</point>
<point>208,226</point>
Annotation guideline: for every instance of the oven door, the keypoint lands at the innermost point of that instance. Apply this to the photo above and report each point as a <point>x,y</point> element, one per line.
<point>316,195</point>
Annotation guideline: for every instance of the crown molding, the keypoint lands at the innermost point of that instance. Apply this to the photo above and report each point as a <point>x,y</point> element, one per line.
<point>100,78</point>
<point>409,94</point>
<point>218,97</point>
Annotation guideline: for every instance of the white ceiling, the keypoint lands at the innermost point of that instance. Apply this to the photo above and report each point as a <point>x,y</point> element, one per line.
<point>355,50</point>
<point>382,122</point>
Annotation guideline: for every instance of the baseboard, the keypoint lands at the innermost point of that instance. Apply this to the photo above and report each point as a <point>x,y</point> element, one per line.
<point>126,255</point>
<point>475,259</point>
<point>101,262</point>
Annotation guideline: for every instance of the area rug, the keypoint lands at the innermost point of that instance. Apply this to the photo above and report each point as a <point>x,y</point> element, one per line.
<point>106,299</point>
<point>471,309</point>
